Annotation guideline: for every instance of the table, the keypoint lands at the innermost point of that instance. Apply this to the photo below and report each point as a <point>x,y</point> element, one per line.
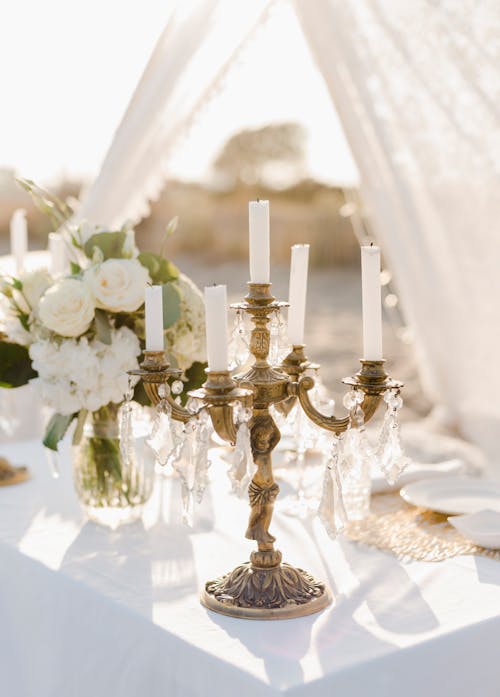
<point>89,611</point>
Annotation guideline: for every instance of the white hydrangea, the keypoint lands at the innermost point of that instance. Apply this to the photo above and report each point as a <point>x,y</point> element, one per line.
<point>186,338</point>
<point>81,374</point>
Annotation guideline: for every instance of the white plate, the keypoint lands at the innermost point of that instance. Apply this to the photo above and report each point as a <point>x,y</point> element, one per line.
<point>454,495</point>
<point>483,528</point>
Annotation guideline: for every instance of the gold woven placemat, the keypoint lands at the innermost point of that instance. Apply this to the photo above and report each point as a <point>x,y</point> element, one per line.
<point>411,533</point>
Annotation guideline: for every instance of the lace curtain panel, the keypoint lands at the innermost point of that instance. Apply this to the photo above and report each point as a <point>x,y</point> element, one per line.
<point>417,87</point>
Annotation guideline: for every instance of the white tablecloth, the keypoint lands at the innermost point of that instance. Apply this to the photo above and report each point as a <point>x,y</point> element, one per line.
<point>89,611</point>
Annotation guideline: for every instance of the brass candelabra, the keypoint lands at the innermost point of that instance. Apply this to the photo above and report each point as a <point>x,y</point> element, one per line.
<point>264,587</point>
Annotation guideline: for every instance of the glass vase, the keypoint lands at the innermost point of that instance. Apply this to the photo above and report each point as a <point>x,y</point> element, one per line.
<point>112,489</point>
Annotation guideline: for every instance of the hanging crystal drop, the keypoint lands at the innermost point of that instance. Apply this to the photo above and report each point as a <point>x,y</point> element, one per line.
<point>242,467</point>
<point>202,462</point>
<point>284,345</point>
<point>125,425</point>
<point>354,463</point>
<point>274,339</point>
<point>161,439</point>
<point>239,350</point>
<point>183,462</point>
<point>389,453</point>
<point>331,509</point>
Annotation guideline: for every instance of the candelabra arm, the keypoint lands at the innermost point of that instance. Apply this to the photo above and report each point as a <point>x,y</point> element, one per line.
<point>179,413</point>
<point>371,379</point>
<point>222,421</point>
<point>329,423</point>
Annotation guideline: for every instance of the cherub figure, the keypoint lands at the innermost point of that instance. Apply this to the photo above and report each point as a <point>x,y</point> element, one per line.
<point>263,490</point>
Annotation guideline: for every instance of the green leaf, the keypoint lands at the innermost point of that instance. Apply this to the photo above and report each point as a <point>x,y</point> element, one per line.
<point>15,365</point>
<point>169,231</point>
<point>171,304</point>
<point>24,319</point>
<point>56,428</point>
<point>172,226</point>
<point>76,269</point>
<point>102,326</point>
<point>51,205</point>
<point>109,243</point>
<point>160,269</point>
<point>80,423</point>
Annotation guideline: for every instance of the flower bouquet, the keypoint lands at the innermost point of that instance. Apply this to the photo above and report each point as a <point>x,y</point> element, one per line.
<point>75,337</point>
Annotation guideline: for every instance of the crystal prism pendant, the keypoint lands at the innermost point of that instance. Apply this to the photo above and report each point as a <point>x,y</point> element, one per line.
<point>161,439</point>
<point>355,456</point>
<point>274,340</point>
<point>331,509</point>
<point>390,454</point>
<point>189,458</point>
<point>242,467</point>
<point>125,426</point>
<point>239,345</point>
<point>202,462</point>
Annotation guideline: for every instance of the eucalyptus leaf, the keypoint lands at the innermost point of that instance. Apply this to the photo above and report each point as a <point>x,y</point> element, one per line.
<point>171,304</point>
<point>169,231</point>
<point>102,326</point>
<point>51,205</point>
<point>76,269</point>
<point>56,428</point>
<point>110,244</point>
<point>160,269</point>
<point>15,365</point>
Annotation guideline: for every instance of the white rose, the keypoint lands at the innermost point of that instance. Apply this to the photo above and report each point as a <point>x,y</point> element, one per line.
<point>35,283</point>
<point>118,284</point>
<point>67,308</point>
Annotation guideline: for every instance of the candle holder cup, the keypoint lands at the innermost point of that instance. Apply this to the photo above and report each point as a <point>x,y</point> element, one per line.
<point>265,587</point>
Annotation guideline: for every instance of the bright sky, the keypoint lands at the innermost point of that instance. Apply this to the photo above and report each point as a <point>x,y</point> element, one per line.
<point>70,67</point>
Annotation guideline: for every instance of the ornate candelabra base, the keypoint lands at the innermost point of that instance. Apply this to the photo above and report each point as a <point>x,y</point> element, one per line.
<point>260,590</point>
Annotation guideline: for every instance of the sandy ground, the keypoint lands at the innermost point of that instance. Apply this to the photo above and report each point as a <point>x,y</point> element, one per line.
<point>333,323</point>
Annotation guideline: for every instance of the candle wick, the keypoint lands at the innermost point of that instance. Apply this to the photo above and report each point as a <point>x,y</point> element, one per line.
<point>371,244</point>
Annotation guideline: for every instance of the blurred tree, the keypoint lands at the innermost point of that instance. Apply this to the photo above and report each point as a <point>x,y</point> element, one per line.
<point>273,155</point>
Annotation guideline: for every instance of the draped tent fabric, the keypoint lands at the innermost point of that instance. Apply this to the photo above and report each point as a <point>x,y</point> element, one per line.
<point>185,68</point>
<point>417,87</point>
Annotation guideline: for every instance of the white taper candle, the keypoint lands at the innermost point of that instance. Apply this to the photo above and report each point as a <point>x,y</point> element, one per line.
<point>19,238</point>
<point>216,327</point>
<point>297,293</point>
<point>57,253</point>
<point>372,304</point>
<point>258,222</point>
<point>154,318</point>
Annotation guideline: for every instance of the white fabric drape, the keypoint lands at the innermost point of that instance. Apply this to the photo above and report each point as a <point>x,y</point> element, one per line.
<point>187,64</point>
<point>417,88</point>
